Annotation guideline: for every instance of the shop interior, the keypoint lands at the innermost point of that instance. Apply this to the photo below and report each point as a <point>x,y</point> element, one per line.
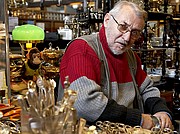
<point>53,24</point>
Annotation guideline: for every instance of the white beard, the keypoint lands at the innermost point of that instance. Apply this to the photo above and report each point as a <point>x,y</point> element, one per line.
<point>116,52</point>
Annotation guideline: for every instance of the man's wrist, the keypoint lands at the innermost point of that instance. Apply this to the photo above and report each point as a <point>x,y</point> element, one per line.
<point>155,121</point>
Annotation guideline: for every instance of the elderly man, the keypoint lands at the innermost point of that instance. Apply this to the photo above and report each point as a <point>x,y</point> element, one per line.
<point>100,71</point>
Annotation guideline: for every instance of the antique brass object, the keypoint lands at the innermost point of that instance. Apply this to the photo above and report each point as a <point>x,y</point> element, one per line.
<point>51,61</point>
<point>118,128</point>
<point>16,65</point>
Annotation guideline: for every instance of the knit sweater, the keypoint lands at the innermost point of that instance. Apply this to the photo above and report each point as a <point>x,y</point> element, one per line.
<point>83,67</point>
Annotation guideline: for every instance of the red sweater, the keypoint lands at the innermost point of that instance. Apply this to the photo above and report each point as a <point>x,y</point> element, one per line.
<point>81,60</point>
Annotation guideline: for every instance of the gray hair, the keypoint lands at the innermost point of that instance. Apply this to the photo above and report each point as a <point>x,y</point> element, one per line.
<point>137,9</point>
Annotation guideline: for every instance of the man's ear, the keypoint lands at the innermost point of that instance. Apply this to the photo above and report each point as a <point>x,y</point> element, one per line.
<point>106,19</point>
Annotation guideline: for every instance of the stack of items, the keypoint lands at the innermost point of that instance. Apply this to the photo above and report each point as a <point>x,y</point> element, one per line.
<point>41,115</point>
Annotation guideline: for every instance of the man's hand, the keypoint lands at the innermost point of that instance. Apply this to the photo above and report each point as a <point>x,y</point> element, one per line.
<point>164,120</point>
<point>147,121</point>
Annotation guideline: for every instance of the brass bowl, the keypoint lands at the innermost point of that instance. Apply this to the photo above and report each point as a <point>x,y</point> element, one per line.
<point>52,56</point>
<point>51,69</point>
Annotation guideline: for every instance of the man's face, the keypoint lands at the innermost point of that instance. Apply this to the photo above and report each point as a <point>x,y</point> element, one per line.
<point>119,41</point>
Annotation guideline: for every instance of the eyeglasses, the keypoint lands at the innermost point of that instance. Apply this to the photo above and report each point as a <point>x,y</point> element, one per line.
<point>124,28</point>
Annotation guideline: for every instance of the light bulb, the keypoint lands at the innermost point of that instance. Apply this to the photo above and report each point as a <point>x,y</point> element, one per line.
<point>28,45</point>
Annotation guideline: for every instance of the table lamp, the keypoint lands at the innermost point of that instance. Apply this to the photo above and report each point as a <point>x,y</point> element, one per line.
<point>28,34</point>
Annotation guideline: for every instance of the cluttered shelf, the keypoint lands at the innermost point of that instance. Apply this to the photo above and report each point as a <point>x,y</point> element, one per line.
<point>25,13</point>
<point>51,20</point>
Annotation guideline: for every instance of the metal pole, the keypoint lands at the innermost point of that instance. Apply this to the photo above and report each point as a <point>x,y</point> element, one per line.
<point>85,5</point>
<point>7,47</point>
<point>96,5</point>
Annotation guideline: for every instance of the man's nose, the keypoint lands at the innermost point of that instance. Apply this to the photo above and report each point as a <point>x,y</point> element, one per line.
<point>127,36</point>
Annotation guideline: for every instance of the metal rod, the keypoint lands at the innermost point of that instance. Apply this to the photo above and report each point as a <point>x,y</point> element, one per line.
<point>7,47</point>
<point>85,5</point>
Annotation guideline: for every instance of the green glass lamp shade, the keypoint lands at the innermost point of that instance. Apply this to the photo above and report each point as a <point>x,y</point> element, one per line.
<point>28,33</point>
